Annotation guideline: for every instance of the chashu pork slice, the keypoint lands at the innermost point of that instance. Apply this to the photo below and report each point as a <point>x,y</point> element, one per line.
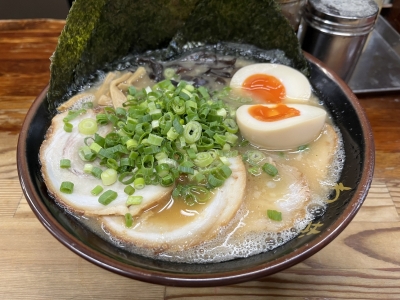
<point>307,177</point>
<point>172,235</point>
<point>60,144</point>
<point>319,161</point>
<point>288,194</point>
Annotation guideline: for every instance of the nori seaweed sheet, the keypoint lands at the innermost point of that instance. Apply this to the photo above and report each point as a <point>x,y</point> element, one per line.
<point>98,32</point>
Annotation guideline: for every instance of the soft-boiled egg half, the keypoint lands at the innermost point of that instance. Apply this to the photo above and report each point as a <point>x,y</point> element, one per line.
<point>280,126</point>
<point>272,83</point>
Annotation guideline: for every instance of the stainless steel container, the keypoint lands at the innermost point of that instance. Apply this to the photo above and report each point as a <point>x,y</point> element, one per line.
<point>335,31</point>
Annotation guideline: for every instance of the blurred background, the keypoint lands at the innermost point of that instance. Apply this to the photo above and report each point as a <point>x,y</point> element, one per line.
<point>58,9</point>
<point>33,9</point>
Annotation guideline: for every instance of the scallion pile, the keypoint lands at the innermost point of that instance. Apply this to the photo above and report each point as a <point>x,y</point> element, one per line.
<point>163,133</point>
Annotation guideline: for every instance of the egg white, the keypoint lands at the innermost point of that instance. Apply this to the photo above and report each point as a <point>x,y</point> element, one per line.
<point>284,134</point>
<point>297,86</point>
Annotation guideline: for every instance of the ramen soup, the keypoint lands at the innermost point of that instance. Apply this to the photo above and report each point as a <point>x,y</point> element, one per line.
<point>202,159</point>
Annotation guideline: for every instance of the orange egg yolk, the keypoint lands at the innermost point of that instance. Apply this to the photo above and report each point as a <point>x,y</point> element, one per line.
<point>265,87</point>
<point>271,114</point>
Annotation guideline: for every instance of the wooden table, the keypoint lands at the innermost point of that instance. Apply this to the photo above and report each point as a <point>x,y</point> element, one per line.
<point>362,263</point>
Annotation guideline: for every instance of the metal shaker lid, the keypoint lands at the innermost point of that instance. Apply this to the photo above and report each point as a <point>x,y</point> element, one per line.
<point>342,17</point>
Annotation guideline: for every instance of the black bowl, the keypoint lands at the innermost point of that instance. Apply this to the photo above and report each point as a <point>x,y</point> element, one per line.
<point>357,174</point>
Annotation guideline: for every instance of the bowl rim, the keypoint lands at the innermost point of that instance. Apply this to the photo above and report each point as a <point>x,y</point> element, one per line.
<point>200,280</point>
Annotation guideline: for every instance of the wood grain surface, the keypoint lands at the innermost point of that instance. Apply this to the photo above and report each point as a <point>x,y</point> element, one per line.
<point>362,263</point>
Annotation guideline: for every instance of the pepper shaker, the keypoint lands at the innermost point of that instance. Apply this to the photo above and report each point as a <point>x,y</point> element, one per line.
<point>335,31</point>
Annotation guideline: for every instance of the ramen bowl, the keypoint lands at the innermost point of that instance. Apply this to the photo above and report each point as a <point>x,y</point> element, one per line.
<point>346,200</point>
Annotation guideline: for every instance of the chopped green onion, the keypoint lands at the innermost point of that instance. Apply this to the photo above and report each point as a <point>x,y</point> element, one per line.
<point>131,144</point>
<point>244,143</point>
<point>167,180</point>
<point>155,124</point>
<point>185,95</point>
<point>87,126</point>
<point>134,200</point>
<point>169,73</point>
<point>177,125</point>
<point>126,178</point>
<point>231,138</point>
<point>128,220</point>
<point>192,132</point>
<point>221,112</point>
<point>107,197</point>
<point>96,172</point>
<point>214,181</point>
<point>171,162</point>
<point>254,170</point>
<point>133,155</point>
<point>139,183</point>
<point>109,110</point>
<point>270,169</point>
<point>67,187</point>
<point>172,134</point>
<point>125,162</point>
<point>230,125</point>
<point>204,93</point>
<point>274,215</point>
<point>142,128</point>
<point>87,105</point>
<point>253,157</point>
<point>132,90</point>
<point>219,139</point>
<point>102,119</point>
<point>98,139</point>
<point>202,194</point>
<point>224,160</point>
<point>162,169</point>
<point>68,127</point>
<point>205,143</point>
<point>185,170</point>
<point>191,153</point>
<point>112,139</point>
<point>203,159</point>
<point>120,112</point>
<point>302,147</point>
<point>65,163</point>
<point>95,147</point>
<point>112,163</point>
<point>113,119</point>
<point>189,88</point>
<point>151,150</point>
<point>199,177</point>
<point>192,194</point>
<point>155,139</point>
<point>109,176</point>
<point>87,168</point>
<point>86,154</point>
<point>96,190</point>
<point>224,171</point>
<point>160,134</point>
<point>160,156</point>
<point>129,190</point>
<point>72,114</point>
